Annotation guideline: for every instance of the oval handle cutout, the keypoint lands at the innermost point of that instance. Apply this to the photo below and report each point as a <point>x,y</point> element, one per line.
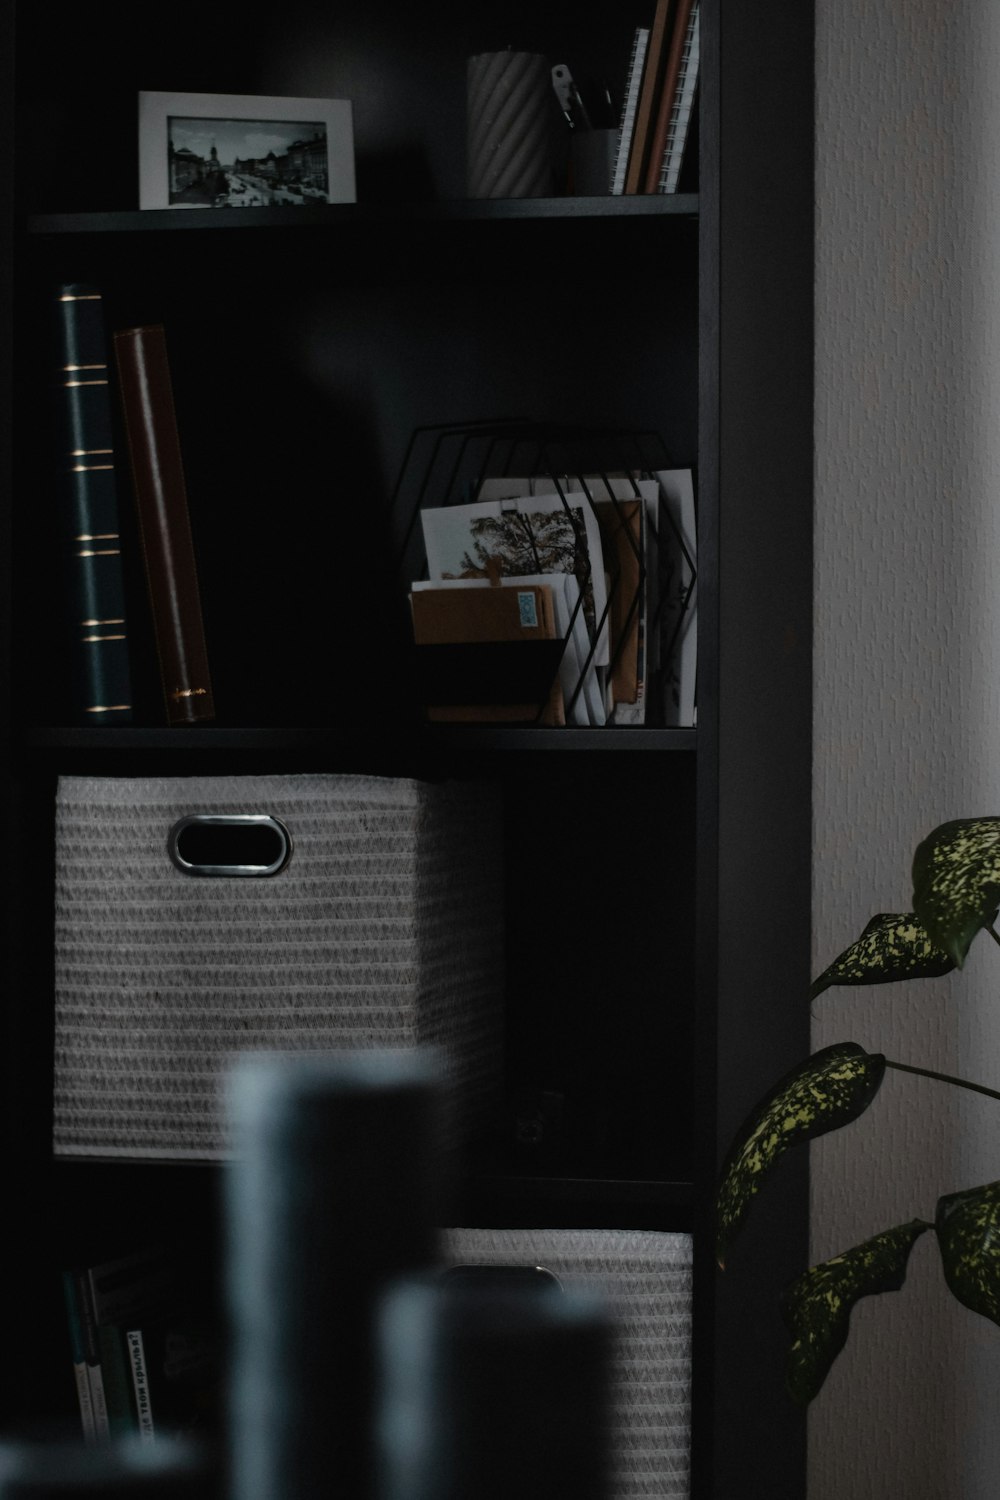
<point>229,844</point>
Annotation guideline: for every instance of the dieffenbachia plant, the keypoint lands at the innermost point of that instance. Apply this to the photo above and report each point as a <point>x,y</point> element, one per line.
<point>956,894</point>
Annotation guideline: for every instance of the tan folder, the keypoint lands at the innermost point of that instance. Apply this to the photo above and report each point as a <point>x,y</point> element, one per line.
<point>510,613</point>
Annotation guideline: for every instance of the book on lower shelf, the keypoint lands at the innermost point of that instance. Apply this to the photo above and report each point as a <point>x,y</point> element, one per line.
<point>151,1347</point>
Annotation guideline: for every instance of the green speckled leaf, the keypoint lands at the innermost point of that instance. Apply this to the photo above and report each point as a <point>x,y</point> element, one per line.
<point>829,1089</point>
<point>968,1231</point>
<point>817,1306</point>
<point>956,882</point>
<point>894,945</point>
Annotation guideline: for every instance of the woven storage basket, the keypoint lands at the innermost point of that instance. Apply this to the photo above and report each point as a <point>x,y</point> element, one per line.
<point>645,1278</point>
<point>382,930</point>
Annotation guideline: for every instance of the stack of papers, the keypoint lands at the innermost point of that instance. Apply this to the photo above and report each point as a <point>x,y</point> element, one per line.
<point>577,597</point>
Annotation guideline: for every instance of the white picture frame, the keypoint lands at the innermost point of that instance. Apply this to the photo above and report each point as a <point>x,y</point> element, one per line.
<point>267,150</point>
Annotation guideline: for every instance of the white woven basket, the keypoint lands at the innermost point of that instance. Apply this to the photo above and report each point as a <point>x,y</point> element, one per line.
<point>383,930</point>
<point>644,1277</point>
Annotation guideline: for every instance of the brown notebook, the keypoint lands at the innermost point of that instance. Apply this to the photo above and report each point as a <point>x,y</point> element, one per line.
<point>451,616</point>
<point>668,93</point>
<point>649,94</point>
<point>164,523</point>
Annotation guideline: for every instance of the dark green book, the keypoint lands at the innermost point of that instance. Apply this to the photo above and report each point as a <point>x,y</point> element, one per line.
<point>93,584</point>
<point>81,1375</point>
<point>162,1344</point>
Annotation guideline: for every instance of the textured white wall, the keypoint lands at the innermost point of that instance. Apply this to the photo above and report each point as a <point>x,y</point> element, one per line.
<point>907,672</point>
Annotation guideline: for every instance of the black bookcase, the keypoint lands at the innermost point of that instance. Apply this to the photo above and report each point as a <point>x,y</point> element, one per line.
<point>306,346</point>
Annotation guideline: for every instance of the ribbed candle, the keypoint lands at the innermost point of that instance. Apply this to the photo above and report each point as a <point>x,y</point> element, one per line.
<point>508,121</point>
<point>333,1192</point>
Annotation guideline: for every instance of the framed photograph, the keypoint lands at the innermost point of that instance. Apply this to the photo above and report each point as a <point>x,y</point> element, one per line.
<point>244,151</point>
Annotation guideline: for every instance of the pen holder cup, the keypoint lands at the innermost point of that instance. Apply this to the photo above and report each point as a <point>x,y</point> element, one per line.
<point>508,115</point>
<point>592,158</point>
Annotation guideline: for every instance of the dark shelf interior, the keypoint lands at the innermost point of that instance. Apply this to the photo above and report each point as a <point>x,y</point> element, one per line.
<point>312,390</point>
<point>454,739</point>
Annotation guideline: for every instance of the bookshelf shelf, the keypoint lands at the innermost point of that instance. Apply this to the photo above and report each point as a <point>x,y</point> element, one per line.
<point>361,216</point>
<point>456,739</point>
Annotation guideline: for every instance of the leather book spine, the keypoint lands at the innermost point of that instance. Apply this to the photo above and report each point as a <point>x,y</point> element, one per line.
<point>98,650</point>
<point>164,522</point>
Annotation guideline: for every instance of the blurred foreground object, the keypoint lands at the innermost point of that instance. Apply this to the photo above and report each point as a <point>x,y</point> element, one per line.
<point>333,1193</point>
<point>493,1391</point>
<point>169,1469</point>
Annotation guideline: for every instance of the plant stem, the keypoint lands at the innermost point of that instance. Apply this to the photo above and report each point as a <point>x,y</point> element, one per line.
<point>962,1083</point>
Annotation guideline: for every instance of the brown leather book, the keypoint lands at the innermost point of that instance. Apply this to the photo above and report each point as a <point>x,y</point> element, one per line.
<point>164,523</point>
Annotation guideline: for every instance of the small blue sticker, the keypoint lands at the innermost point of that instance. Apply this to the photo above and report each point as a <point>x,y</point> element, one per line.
<point>527,608</point>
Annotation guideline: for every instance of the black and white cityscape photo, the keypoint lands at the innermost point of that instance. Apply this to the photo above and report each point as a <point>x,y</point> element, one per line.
<point>220,163</point>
